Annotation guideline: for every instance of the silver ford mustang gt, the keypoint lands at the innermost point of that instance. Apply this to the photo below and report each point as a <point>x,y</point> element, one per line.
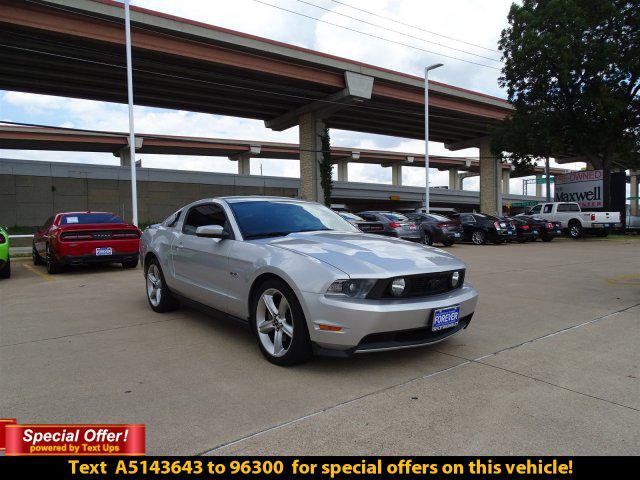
<point>305,279</point>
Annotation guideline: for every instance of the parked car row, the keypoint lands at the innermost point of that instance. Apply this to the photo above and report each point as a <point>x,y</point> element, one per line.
<point>477,228</point>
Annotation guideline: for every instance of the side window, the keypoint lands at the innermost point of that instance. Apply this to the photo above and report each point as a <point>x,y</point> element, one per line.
<point>368,217</point>
<point>535,209</point>
<point>573,207</point>
<point>468,218</point>
<point>205,214</point>
<point>547,208</point>
<point>567,207</point>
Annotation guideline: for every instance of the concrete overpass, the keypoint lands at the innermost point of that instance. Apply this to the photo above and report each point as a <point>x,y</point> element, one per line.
<point>240,151</point>
<point>31,191</point>
<point>76,49</point>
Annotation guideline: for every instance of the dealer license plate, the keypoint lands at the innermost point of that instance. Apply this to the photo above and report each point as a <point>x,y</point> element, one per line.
<point>457,235</point>
<point>445,318</point>
<point>104,251</point>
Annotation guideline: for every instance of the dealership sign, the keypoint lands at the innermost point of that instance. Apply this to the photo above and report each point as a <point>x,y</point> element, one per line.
<point>583,187</point>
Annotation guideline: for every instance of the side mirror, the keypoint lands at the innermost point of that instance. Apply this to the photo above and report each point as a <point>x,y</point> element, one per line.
<point>211,231</point>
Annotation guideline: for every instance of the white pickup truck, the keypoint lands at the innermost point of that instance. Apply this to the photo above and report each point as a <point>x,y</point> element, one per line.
<point>574,220</point>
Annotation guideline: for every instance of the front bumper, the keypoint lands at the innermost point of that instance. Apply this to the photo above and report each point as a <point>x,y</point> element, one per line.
<point>402,323</point>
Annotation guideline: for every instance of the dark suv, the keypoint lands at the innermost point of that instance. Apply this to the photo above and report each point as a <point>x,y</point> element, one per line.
<point>395,224</point>
<point>437,228</point>
<point>480,228</point>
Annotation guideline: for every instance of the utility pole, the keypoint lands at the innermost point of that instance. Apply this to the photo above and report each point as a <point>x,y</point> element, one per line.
<point>426,133</point>
<point>132,136</point>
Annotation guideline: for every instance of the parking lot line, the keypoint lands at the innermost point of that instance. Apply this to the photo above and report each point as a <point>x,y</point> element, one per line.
<point>45,276</point>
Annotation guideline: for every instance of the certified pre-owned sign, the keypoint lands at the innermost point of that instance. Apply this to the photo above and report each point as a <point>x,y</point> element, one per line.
<point>584,188</point>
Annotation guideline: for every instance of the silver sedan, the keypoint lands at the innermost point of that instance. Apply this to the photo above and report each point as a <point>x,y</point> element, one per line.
<point>306,280</point>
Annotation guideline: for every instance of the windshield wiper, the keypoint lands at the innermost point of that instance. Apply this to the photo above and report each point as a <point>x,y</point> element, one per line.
<point>282,234</point>
<point>267,235</point>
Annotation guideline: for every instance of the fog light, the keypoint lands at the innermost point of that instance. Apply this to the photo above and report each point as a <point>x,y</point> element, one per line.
<point>455,279</point>
<point>397,287</point>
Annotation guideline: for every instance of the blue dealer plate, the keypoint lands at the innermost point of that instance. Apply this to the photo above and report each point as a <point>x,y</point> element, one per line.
<point>445,318</point>
<point>104,251</point>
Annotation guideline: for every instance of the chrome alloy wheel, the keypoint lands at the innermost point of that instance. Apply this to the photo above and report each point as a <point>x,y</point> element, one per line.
<point>154,285</point>
<point>274,322</point>
<point>574,231</point>
<point>477,237</point>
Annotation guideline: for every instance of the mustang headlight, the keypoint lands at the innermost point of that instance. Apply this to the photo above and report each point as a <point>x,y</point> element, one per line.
<point>397,287</point>
<point>354,288</point>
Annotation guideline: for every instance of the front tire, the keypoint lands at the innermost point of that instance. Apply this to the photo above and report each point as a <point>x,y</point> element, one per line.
<point>5,272</point>
<point>279,324</point>
<point>158,294</point>
<point>448,243</point>
<point>478,237</point>
<point>546,238</point>
<point>37,259</point>
<point>427,239</point>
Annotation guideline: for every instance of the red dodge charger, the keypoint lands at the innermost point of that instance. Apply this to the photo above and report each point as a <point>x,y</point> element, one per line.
<point>76,238</point>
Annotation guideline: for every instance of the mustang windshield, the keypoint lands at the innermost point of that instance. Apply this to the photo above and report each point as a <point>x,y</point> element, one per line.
<point>260,219</point>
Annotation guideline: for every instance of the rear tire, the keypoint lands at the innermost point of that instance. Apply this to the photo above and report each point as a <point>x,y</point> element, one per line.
<point>478,237</point>
<point>575,230</point>
<point>448,243</point>
<point>426,239</point>
<point>130,263</point>
<point>53,267</point>
<point>5,272</point>
<point>520,240</point>
<point>158,294</point>
<point>602,233</point>
<point>283,338</point>
<point>546,238</point>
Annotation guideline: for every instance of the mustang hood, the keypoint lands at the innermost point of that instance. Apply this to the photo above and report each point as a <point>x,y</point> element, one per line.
<point>362,255</point>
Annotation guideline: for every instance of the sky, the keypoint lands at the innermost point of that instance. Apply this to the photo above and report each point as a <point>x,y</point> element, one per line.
<point>466,29</point>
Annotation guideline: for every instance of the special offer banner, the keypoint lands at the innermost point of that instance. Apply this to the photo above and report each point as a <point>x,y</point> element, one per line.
<point>74,440</point>
<point>3,423</point>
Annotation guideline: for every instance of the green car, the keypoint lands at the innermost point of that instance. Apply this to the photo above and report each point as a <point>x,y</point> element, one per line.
<point>5,261</point>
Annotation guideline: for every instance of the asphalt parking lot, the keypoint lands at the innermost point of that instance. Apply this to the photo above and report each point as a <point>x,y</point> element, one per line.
<point>549,365</point>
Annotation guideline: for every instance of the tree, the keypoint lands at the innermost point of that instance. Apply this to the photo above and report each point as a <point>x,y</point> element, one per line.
<point>572,72</point>
<point>326,167</point>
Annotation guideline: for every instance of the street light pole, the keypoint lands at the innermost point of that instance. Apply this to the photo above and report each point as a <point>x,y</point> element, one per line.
<point>426,133</point>
<point>132,136</point>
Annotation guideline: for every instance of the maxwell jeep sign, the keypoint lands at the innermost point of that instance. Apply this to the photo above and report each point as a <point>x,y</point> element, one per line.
<point>583,187</point>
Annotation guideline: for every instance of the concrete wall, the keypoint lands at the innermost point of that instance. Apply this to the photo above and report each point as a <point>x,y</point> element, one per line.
<point>32,191</point>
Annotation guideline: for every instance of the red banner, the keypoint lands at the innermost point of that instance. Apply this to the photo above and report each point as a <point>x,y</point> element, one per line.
<point>3,423</point>
<point>75,440</point>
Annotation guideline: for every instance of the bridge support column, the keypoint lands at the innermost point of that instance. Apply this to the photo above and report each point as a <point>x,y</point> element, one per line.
<point>125,155</point>
<point>311,131</point>
<point>396,174</point>
<point>538,186</point>
<point>506,176</point>
<point>634,192</point>
<point>490,167</point>
<point>343,171</point>
<point>244,163</point>
<point>455,182</point>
